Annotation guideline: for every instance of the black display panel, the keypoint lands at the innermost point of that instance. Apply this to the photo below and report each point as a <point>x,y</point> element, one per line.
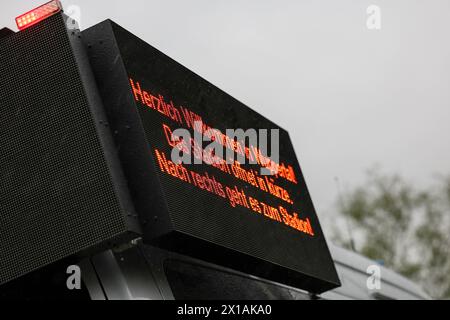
<point>61,187</point>
<point>227,213</point>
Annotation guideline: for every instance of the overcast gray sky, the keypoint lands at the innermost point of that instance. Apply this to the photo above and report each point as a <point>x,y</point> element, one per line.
<point>350,97</point>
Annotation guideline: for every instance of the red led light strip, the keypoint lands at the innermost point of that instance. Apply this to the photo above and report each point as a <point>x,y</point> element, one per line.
<point>37,15</point>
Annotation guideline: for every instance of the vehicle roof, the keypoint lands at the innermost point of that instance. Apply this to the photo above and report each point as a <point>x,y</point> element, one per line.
<point>352,269</point>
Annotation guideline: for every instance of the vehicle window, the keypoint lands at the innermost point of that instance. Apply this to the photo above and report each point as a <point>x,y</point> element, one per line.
<point>195,282</point>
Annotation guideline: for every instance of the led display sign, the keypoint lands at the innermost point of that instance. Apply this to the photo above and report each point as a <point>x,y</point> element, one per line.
<point>209,176</point>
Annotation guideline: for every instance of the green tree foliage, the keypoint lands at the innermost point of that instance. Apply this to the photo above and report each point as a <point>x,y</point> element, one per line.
<point>405,227</point>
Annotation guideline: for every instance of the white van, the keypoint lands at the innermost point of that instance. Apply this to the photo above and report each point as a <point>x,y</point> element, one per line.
<point>141,272</point>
